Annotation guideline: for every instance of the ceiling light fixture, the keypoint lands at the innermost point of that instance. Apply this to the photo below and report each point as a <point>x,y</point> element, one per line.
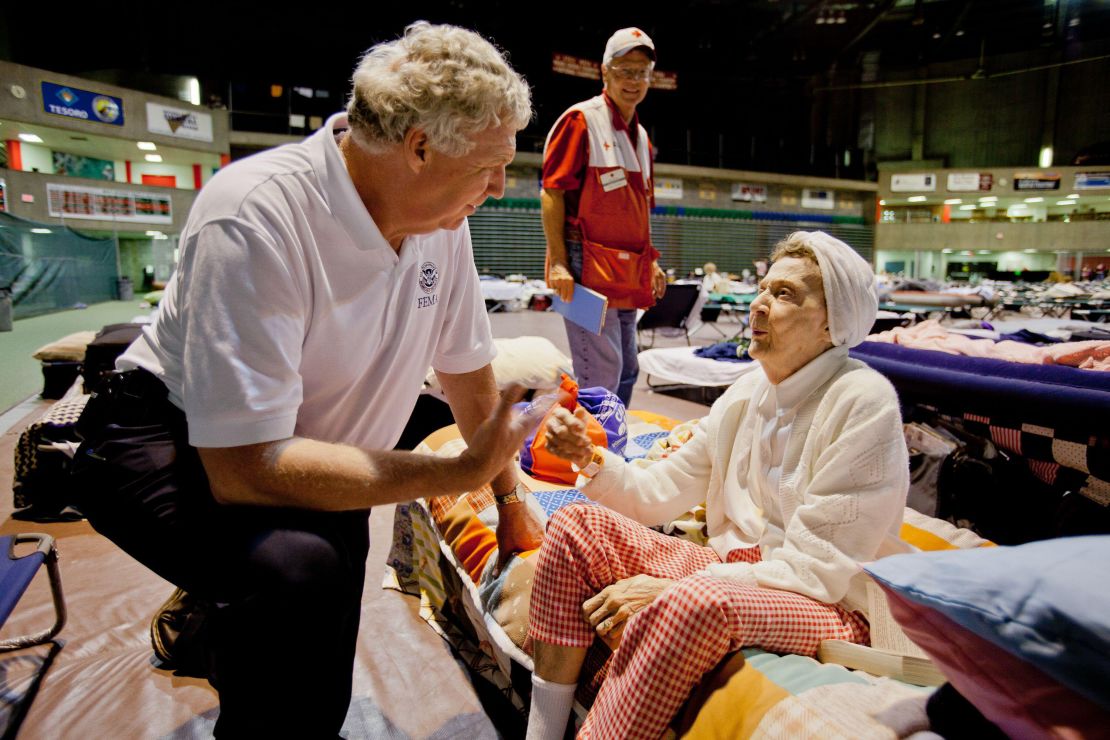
<point>31,138</point>
<point>953,201</point>
<point>1034,200</point>
<point>146,146</point>
<point>917,199</point>
<point>153,157</point>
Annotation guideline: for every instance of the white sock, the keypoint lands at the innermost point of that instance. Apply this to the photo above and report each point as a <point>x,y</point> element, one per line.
<point>551,703</point>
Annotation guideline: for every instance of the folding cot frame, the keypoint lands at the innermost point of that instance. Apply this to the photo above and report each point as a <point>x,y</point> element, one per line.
<point>16,573</point>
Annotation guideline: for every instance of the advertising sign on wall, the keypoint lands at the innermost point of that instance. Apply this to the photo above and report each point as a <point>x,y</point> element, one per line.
<point>179,122</point>
<point>73,102</point>
<point>101,204</point>
<point>745,193</point>
<point>661,80</point>
<point>565,64</point>
<point>1036,181</point>
<point>812,198</point>
<point>3,196</point>
<point>1092,180</point>
<point>668,188</point>
<point>74,165</point>
<point>913,183</point>
<point>969,182</point>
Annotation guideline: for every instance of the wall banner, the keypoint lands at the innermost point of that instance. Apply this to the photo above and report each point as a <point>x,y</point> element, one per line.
<point>668,188</point>
<point>75,165</point>
<point>823,199</point>
<point>1092,180</point>
<point>73,102</point>
<point>1036,181</point>
<point>913,183</point>
<point>745,193</point>
<point>970,182</point>
<point>178,122</point>
<point>565,64</point>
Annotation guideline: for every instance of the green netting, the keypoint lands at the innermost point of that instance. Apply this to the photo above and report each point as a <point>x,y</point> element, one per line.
<point>508,236</point>
<point>54,269</point>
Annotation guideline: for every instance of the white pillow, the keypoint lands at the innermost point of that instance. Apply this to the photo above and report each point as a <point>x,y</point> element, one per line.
<point>533,362</point>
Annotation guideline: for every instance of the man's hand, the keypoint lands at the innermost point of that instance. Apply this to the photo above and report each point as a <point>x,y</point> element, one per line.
<point>559,280</point>
<point>609,611</point>
<point>518,530</point>
<point>497,440</point>
<point>566,436</point>
<point>658,280</point>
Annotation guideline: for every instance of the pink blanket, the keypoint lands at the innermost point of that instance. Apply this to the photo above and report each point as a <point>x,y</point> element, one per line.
<point>1091,355</point>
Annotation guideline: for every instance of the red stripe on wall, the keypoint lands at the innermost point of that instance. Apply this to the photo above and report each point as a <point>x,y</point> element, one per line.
<point>127,168</point>
<point>15,155</point>
<point>225,160</point>
<point>196,176</point>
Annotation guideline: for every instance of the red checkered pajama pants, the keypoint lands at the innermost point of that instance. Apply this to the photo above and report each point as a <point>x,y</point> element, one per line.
<point>670,644</point>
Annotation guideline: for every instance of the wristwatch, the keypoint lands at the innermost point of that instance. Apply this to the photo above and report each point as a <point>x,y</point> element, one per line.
<point>512,497</point>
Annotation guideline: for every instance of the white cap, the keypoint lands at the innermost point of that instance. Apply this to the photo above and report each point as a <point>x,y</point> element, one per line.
<point>624,41</point>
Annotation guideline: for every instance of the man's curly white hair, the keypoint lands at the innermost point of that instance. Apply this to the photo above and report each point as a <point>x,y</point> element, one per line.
<point>445,80</point>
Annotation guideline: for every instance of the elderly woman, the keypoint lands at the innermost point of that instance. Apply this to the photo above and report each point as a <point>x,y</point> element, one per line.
<point>803,471</point>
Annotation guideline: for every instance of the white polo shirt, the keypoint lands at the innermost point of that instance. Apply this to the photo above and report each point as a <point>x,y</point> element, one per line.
<point>289,313</point>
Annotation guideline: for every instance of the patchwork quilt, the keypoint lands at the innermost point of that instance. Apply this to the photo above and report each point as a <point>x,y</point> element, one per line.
<point>444,550</point>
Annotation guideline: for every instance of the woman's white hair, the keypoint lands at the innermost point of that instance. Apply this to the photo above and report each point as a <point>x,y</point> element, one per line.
<point>445,80</point>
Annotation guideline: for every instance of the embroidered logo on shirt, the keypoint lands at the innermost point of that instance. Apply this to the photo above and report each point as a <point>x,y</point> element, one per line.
<point>428,279</point>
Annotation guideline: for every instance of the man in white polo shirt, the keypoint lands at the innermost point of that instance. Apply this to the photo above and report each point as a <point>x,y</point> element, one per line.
<point>241,449</point>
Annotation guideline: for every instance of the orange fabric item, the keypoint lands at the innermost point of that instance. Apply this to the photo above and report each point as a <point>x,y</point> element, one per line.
<point>548,467</point>
<point>471,540</point>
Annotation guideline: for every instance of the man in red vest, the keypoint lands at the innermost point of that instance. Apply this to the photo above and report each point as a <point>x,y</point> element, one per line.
<point>597,196</point>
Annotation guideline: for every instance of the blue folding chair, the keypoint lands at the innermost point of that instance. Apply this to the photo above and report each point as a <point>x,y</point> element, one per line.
<point>16,574</point>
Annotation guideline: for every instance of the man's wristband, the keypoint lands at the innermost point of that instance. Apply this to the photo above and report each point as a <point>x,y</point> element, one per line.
<point>512,497</point>
<point>587,472</point>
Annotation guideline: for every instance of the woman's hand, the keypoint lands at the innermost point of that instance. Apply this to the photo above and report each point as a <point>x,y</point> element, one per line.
<point>609,610</point>
<point>566,436</point>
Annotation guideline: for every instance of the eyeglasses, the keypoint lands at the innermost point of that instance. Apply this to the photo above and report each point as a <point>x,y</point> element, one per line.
<point>633,73</point>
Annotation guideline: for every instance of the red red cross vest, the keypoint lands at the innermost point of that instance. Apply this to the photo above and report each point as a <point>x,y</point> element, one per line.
<point>614,209</point>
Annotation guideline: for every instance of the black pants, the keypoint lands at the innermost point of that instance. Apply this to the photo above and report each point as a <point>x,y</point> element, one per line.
<point>287,582</point>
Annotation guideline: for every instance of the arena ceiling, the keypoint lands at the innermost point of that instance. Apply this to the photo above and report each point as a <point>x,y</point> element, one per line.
<point>761,60</point>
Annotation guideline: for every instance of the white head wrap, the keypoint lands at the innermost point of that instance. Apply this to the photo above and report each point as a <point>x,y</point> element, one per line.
<point>851,298</point>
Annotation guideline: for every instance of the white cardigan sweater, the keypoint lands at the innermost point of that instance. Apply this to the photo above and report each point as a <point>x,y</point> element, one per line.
<point>842,489</point>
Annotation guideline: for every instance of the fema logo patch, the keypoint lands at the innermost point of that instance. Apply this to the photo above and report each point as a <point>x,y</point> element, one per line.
<point>429,277</point>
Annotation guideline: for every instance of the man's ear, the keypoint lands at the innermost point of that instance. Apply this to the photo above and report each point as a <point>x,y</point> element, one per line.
<point>416,149</point>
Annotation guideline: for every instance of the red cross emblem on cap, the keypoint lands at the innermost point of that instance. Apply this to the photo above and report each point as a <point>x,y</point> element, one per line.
<point>607,145</point>
<point>637,33</point>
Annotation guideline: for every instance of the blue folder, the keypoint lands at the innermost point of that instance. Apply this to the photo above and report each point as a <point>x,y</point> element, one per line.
<point>586,308</point>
